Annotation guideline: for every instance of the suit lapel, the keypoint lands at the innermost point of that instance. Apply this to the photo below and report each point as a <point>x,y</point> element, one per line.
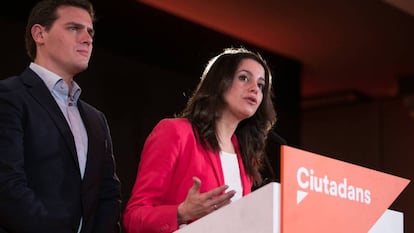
<point>90,151</point>
<point>39,91</point>
<point>98,144</point>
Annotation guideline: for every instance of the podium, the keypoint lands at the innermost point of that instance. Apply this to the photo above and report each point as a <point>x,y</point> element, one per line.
<point>316,194</point>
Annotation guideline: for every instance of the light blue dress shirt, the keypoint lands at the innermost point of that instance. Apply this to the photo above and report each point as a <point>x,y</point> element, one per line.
<point>66,96</point>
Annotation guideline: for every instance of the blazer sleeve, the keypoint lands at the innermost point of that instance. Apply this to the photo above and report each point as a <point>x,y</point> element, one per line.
<point>15,194</point>
<point>108,212</point>
<point>145,211</point>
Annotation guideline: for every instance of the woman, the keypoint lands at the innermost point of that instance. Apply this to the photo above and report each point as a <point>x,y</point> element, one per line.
<point>212,153</point>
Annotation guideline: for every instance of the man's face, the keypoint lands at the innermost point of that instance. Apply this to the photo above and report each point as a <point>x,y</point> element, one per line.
<point>66,47</point>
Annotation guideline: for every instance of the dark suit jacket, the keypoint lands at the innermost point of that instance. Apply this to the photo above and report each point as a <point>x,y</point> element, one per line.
<point>41,189</point>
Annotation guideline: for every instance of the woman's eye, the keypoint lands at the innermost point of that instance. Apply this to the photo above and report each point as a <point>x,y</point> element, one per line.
<point>261,86</point>
<point>243,78</point>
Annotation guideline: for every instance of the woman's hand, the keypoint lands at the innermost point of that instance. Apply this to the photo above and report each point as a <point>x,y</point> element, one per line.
<point>197,205</point>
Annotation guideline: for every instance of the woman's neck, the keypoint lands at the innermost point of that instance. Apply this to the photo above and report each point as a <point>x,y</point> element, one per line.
<point>225,130</point>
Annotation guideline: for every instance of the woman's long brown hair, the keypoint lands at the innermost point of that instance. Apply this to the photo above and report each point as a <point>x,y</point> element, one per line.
<point>207,103</point>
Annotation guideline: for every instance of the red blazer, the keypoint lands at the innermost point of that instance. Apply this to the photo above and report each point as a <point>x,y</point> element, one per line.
<point>170,158</point>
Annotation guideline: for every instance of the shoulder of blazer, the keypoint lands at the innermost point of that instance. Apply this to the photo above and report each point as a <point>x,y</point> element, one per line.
<point>10,84</point>
<point>180,123</point>
<point>27,78</point>
<point>181,126</point>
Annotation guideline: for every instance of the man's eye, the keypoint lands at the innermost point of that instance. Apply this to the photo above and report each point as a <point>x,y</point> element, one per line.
<point>91,32</point>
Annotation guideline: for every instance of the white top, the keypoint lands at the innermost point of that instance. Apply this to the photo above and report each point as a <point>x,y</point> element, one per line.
<point>231,172</point>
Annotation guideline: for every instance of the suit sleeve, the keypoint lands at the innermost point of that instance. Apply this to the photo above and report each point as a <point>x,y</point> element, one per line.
<point>20,208</point>
<point>109,211</point>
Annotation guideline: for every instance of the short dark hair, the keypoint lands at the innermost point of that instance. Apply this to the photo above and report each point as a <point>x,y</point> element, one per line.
<point>45,14</point>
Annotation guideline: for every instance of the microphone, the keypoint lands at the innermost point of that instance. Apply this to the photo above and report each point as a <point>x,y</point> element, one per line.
<point>274,144</point>
<point>278,138</point>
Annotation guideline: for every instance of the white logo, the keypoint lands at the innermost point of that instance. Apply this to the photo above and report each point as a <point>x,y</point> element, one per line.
<point>310,182</point>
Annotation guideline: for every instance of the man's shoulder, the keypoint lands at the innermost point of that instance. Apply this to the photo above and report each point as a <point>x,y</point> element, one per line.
<point>10,84</point>
<point>17,82</point>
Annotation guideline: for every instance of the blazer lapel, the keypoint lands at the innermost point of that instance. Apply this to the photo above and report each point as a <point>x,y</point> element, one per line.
<point>218,169</point>
<point>39,91</point>
<point>98,142</point>
<point>245,180</point>
<point>216,164</point>
<point>87,121</point>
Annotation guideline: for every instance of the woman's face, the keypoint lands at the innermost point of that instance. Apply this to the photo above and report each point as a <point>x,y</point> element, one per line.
<point>246,91</point>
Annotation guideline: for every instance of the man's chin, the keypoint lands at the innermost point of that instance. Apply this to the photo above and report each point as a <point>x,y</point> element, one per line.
<point>84,66</point>
<point>79,68</point>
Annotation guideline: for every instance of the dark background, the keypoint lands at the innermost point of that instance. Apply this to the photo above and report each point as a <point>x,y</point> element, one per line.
<point>146,63</point>
<point>144,67</point>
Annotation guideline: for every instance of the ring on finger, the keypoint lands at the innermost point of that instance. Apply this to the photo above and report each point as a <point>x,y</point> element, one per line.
<point>215,206</point>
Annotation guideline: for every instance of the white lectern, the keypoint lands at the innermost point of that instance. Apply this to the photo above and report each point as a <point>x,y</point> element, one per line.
<point>317,194</point>
<point>259,212</point>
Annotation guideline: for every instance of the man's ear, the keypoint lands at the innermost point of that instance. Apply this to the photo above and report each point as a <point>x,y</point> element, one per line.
<point>38,33</point>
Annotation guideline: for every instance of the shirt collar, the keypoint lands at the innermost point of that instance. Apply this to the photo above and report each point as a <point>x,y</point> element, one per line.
<point>55,82</point>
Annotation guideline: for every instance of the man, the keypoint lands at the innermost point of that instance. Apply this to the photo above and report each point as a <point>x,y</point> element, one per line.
<point>57,171</point>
